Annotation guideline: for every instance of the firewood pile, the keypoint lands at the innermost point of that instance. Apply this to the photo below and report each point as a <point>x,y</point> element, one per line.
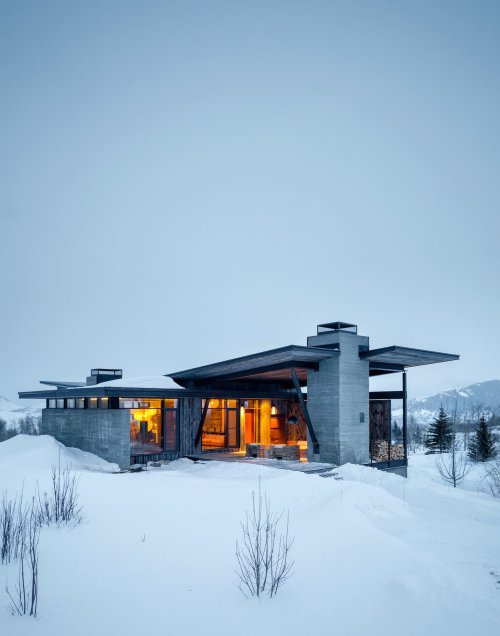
<point>380,451</point>
<point>279,451</point>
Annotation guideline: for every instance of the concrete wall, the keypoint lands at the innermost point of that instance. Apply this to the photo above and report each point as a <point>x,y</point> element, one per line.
<point>100,431</point>
<point>106,432</point>
<point>354,402</point>
<point>323,405</point>
<point>337,395</point>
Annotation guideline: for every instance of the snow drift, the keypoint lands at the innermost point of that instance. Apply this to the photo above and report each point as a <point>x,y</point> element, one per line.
<point>373,552</point>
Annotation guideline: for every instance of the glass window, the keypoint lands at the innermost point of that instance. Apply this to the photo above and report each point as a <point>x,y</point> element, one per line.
<point>221,426</point>
<point>232,428</point>
<point>52,404</point>
<point>70,403</point>
<point>92,403</point>
<point>146,434</point>
<point>214,427</point>
<point>60,404</point>
<point>153,424</point>
<point>103,403</point>
<point>80,403</point>
<point>171,429</point>
<point>251,404</point>
<point>127,403</point>
<point>136,403</point>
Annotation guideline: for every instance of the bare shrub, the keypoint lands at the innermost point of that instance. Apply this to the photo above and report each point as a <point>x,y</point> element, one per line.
<point>20,533</point>
<point>493,477</point>
<point>24,597</point>
<point>13,520</point>
<point>263,558</point>
<point>7,521</point>
<point>454,465</point>
<point>60,504</point>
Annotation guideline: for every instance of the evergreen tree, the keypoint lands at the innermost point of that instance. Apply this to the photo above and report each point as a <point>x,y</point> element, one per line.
<point>440,433</point>
<point>397,432</point>
<point>482,447</point>
<point>418,436</point>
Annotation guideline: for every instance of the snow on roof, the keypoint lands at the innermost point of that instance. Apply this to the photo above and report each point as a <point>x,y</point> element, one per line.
<point>141,382</point>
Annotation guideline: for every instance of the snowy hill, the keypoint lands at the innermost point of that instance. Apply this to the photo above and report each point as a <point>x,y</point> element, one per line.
<point>12,414</point>
<point>483,396</point>
<point>158,547</point>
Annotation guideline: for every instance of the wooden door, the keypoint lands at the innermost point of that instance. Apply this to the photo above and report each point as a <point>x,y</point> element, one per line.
<point>249,427</point>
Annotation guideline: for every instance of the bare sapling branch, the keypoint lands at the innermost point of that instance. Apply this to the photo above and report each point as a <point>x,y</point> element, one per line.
<point>263,556</point>
<point>60,504</point>
<point>24,597</point>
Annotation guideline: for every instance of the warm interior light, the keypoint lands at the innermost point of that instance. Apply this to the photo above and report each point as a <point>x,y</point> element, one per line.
<point>274,410</point>
<point>144,415</point>
<point>145,427</point>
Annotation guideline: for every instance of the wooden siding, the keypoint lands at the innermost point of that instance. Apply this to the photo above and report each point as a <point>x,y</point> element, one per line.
<point>189,421</point>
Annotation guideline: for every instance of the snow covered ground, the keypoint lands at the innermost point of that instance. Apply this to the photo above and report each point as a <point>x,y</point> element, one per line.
<point>373,552</point>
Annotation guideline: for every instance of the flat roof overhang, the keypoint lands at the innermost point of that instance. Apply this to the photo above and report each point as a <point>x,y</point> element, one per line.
<point>61,384</point>
<point>273,366</point>
<point>395,359</point>
<point>130,392</point>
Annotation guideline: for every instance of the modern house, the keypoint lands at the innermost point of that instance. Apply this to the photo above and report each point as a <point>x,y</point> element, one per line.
<point>315,399</point>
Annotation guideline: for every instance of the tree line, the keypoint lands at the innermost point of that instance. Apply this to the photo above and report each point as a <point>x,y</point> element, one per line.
<point>28,425</point>
<point>476,438</point>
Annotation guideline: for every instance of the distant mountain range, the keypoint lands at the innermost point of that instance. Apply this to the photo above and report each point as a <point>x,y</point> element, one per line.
<point>469,401</point>
<point>12,414</point>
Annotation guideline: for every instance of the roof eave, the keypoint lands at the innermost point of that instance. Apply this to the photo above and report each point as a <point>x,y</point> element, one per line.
<point>293,355</point>
<point>407,357</point>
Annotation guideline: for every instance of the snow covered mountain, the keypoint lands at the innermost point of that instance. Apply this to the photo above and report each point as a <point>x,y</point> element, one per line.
<point>469,401</point>
<point>12,414</point>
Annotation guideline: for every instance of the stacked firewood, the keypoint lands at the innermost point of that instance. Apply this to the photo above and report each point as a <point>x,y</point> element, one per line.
<point>380,451</point>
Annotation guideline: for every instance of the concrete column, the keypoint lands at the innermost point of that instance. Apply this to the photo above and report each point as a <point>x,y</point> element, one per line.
<point>338,399</point>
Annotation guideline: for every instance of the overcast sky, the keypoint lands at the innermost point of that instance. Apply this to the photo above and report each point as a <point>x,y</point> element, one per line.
<point>183,182</point>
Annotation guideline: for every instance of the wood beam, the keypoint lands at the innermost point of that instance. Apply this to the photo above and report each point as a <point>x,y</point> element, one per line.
<point>305,412</point>
<point>405,416</point>
<point>202,421</point>
<point>386,395</point>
